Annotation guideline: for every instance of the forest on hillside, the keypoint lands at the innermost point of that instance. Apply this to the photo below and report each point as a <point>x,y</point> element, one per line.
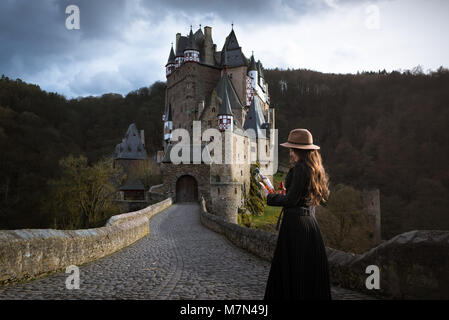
<point>38,129</point>
<point>376,130</point>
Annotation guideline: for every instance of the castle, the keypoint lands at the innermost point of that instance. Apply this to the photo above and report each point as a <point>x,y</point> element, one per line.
<point>221,90</point>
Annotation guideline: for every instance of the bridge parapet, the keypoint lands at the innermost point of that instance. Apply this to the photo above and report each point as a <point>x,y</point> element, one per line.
<point>412,265</point>
<point>30,253</point>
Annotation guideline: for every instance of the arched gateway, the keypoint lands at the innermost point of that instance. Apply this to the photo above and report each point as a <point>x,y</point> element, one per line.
<point>186,189</point>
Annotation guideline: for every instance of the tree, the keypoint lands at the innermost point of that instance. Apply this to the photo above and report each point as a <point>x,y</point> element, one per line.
<point>147,171</point>
<point>84,193</point>
<point>254,202</point>
<point>345,203</point>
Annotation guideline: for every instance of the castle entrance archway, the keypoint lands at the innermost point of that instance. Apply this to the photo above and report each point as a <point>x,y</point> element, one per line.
<point>186,189</point>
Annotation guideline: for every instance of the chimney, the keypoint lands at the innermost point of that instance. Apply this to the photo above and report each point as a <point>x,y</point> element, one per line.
<point>178,35</point>
<point>208,32</point>
<point>142,137</point>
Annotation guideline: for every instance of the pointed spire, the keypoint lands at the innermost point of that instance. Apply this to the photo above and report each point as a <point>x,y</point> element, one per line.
<point>255,118</point>
<point>191,43</point>
<point>171,57</point>
<point>231,41</point>
<point>252,63</point>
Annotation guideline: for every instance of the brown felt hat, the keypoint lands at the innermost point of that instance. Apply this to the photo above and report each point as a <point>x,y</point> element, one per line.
<point>300,139</point>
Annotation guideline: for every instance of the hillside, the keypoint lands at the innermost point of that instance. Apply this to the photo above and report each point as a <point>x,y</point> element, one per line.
<point>39,128</point>
<point>377,130</point>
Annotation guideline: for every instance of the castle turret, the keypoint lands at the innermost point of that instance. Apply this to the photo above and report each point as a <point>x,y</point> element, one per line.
<point>191,51</point>
<point>261,75</point>
<point>252,71</point>
<point>170,66</point>
<point>225,116</point>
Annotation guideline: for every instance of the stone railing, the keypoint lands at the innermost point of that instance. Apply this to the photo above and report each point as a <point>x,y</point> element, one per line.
<point>412,265</point>
<point>29,253</point>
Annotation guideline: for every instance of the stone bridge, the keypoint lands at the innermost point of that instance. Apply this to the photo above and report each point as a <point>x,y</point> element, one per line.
<point>178,259</point>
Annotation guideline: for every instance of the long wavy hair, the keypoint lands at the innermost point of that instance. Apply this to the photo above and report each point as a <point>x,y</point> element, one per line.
<point>319,180</point>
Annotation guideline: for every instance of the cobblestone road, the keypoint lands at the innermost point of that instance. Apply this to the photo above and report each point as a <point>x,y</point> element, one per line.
<point>179,259</point>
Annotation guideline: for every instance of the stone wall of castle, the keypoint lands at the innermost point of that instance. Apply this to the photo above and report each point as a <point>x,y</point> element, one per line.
<point>238,78</point>
<point>188,86</point>
<point>172,172</point>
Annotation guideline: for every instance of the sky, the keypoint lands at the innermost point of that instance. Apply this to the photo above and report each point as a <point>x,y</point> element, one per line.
<point>121,45</point>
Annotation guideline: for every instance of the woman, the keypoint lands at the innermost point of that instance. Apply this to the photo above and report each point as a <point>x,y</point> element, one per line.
<point>299,268</point>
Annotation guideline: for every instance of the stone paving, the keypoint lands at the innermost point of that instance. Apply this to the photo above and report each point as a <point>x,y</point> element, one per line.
<point>179,259</point>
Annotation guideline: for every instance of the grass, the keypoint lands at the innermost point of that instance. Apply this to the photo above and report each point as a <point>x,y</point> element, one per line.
<point>267,221</point>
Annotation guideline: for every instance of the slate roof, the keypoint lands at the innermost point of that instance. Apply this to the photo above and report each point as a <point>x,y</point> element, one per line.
<point>231,42</point>
<point>192,43</point>
<point>235,56</point>
<point>171,58</point>
<point>225,84</point>
<point>255,119</point>
<point>199,37</point>
<point>252,64</point>
<point>131,146</point>
<point>225,106</point>
<point>181,46</point>
<point>132,185</point>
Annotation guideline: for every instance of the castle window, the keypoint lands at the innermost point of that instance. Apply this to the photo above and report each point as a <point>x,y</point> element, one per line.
<point>241,172</point>
<point>218,190</point>
<point>235,190</point>
<point>213,109</point>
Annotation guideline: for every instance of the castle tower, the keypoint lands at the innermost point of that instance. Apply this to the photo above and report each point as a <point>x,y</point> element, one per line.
<point>218,88</point>
<point>170,66</point>
<point>252,71</point>
<point>191,52</point>
<point>225,116</point>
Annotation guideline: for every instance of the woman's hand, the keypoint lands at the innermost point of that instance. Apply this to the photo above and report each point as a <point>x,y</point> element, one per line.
<point>264,189</point>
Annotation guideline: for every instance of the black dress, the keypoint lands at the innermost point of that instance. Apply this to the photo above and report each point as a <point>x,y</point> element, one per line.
<point>299,268</point>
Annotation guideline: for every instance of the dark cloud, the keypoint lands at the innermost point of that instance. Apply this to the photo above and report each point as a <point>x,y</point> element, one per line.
<point>110,52</point>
